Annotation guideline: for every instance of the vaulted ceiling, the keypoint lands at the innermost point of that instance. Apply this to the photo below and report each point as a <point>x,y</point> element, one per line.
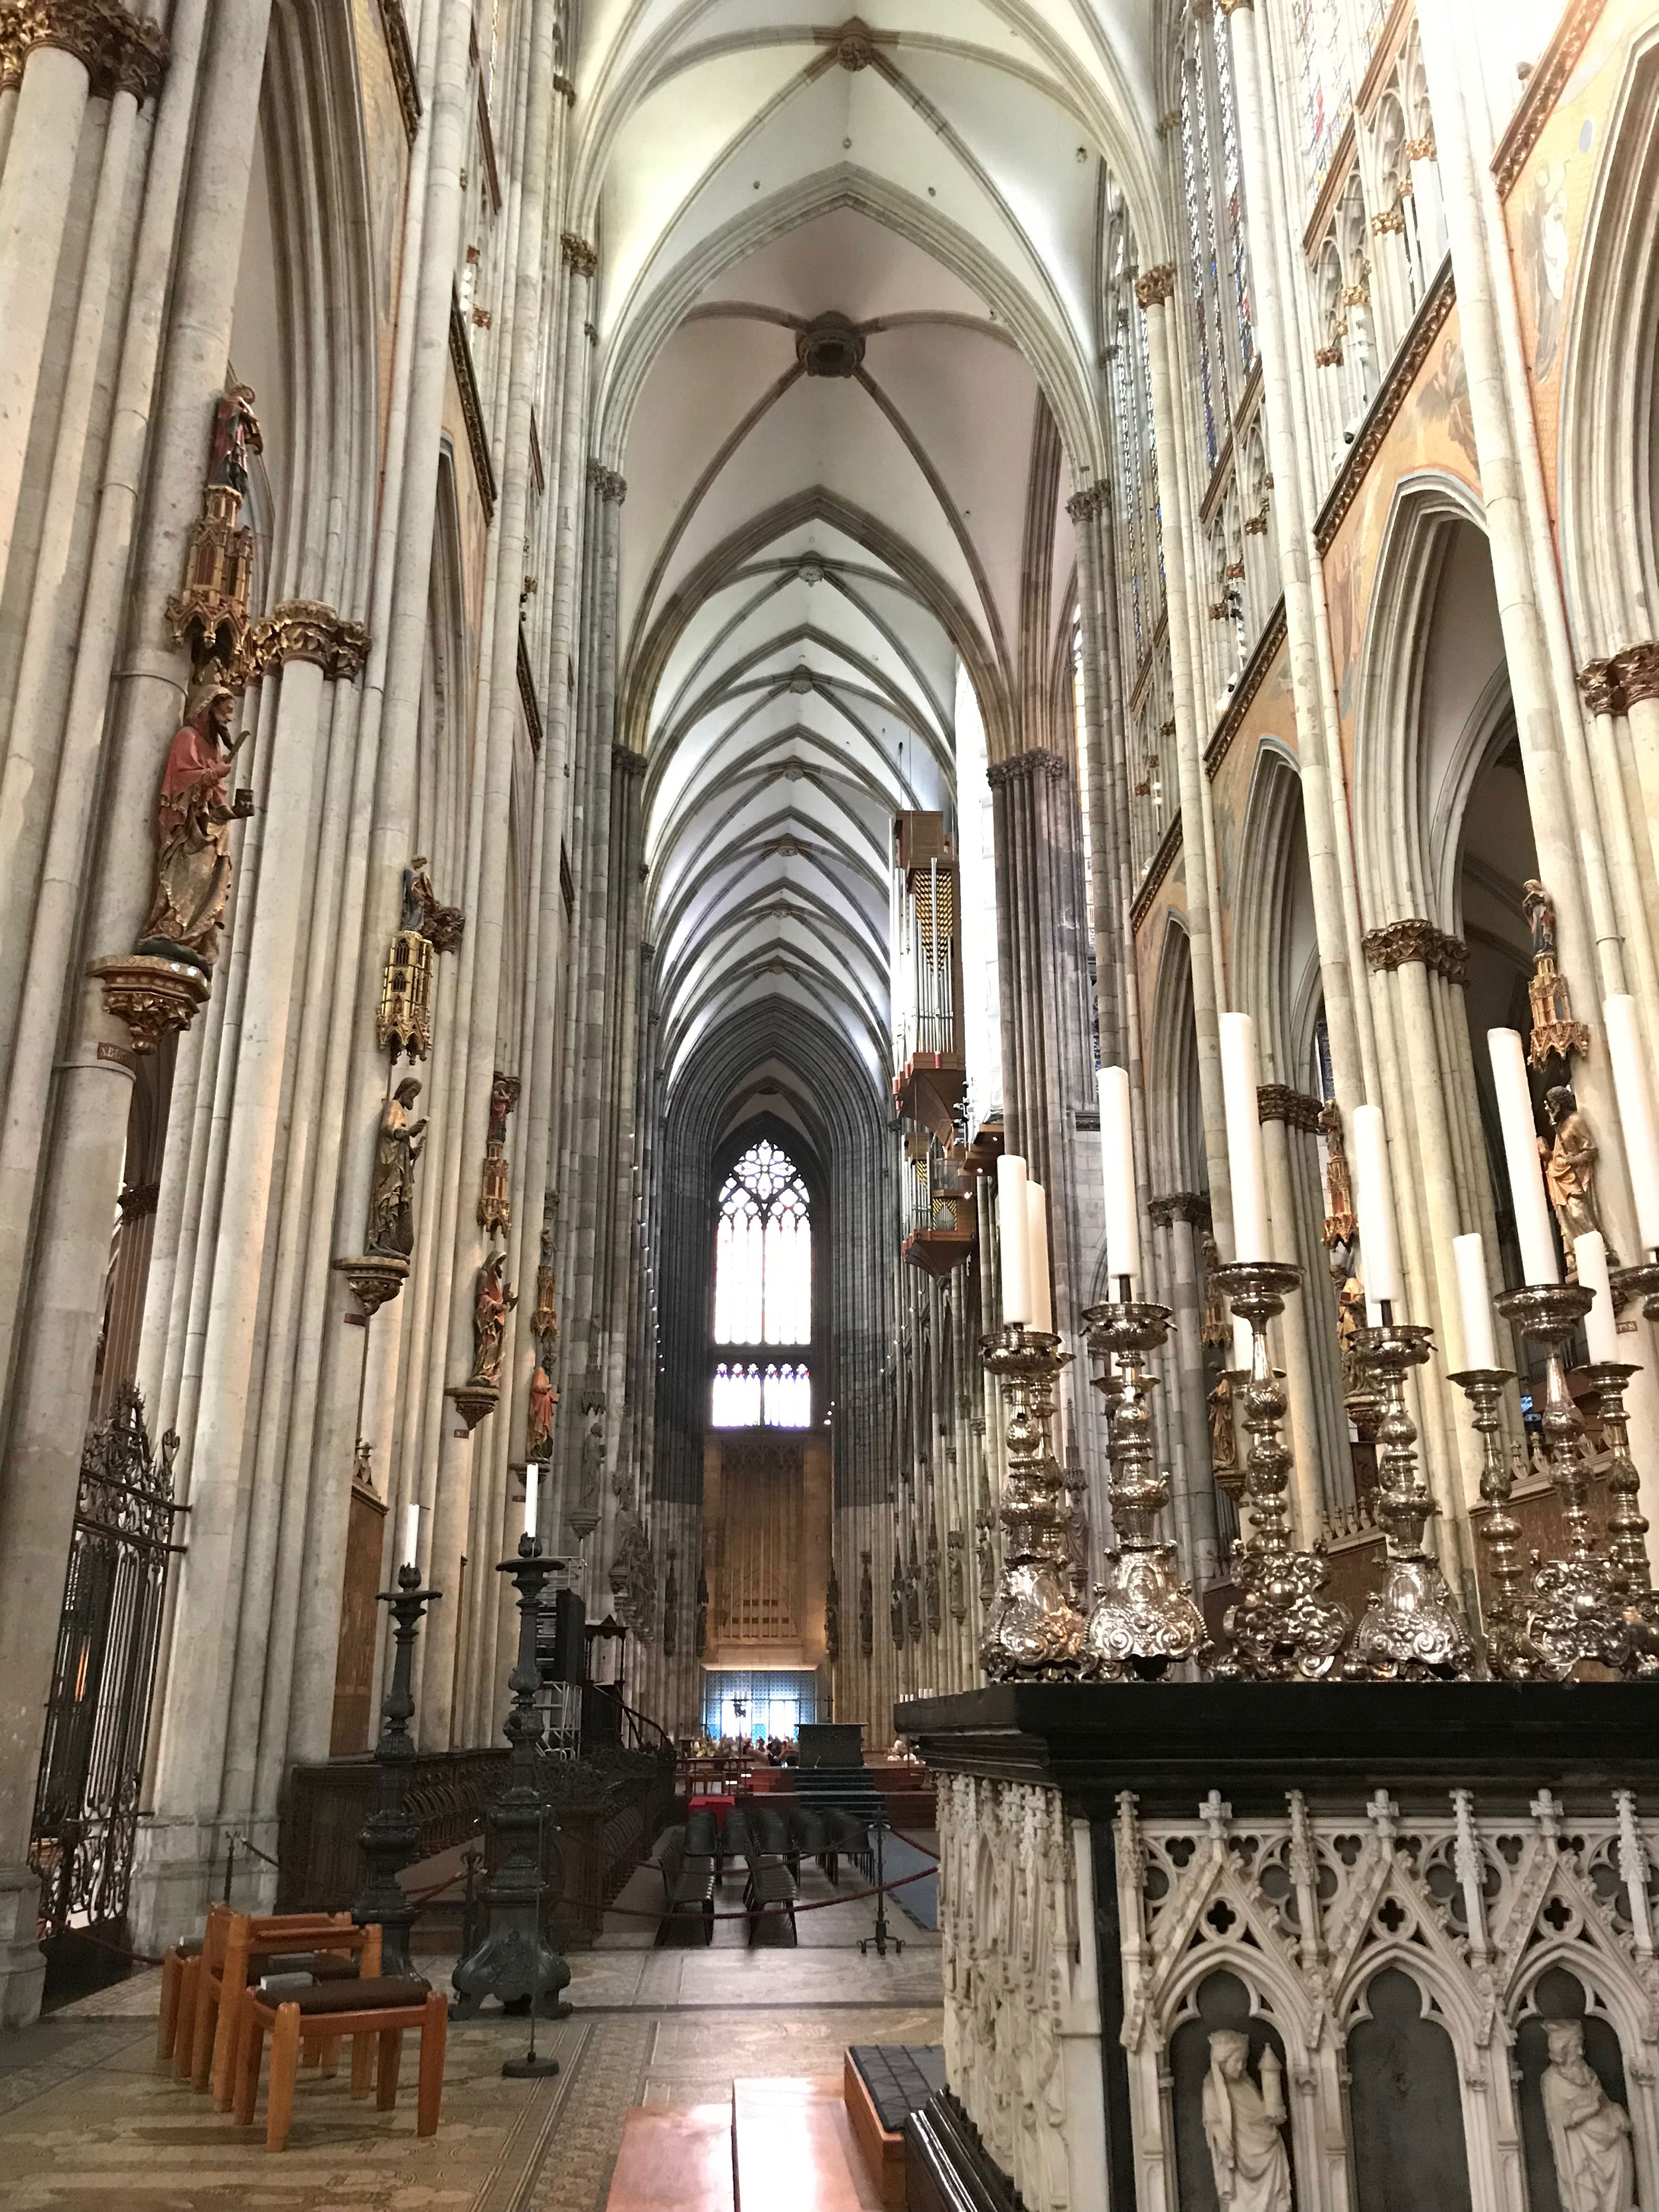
<point>846,321</point>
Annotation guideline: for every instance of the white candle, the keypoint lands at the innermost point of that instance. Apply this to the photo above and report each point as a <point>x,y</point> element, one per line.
<point>1036,1252</point>
<point>1379,1255</point>
<point>1601,1323</point>
<point>1243,1344</point>
<point>1475,1298</point>
<point>1636,1118</point>
<point>1118,1160</point>
<point>1250,1240</point>
<point>1532,1211</point>
<point>411,1533</point>
<point>531,1475</point>
<point>1014,1236</point>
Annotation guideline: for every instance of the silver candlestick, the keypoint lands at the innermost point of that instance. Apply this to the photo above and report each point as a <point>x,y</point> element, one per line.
<point>1410,1630</point>
<point>1143,1620</point>
<point>1282,1629</point>
<point>1034,1631</point>
<point>1510,1654</point>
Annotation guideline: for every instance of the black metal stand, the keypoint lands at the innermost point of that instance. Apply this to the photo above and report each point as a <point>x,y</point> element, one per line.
<point>883,1941</point>
<point>515,1962</point>
<point>389,1835</point>
<point>530,2067</point>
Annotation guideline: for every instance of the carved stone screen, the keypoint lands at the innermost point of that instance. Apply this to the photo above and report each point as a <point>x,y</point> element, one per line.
<point>1220,2001</point>
<point>1405,2105</point>
<point>1559,1995</point>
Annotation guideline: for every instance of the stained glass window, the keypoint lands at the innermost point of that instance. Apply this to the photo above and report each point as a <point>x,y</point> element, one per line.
<point>1233,189</point>
<point>1207,393</point>
<point>1326,97</point>
<point>762,1292</point>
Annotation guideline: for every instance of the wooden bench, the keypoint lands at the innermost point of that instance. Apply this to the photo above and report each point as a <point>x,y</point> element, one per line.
<point>688,1886</point>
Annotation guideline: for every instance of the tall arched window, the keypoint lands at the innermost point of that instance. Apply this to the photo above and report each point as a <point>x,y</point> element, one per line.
<point>762,1293</point>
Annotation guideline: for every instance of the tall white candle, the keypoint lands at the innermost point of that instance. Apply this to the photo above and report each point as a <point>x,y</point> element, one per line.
<point>1379,1255</point>
<point>1037,1216</point>
<point>531,1476</point>
<point>1601,1323</point>
<point>1475,1300</point>
<point>1636,1117</point>
<point>1014,1235</point>
<point>1118,1160</point>
<point>1243,1344</point>
<point>411,1534</point>
<point>1245,1169</point>
<point>1532,1211</point>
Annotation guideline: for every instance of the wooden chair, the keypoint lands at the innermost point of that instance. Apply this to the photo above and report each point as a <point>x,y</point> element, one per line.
<point>284,1932</point>
<point>179,1970</point>
<point>339,1952</point>
<point>381,2007</point>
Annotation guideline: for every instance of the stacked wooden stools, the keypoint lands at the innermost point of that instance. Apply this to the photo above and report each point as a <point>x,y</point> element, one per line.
<point>306,1981</point>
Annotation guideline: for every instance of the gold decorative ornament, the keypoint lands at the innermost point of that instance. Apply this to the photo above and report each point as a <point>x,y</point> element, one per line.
<point>212,609</point>
<point>1156,285</point>
<point>495,1199</point>
<point>425,928</point>
<point>119,51</point>
<point>1555,1034</point>
<point>152,995</point>
<point>375,1277</point>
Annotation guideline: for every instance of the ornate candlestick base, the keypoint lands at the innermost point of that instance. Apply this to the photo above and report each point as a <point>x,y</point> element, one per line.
<point>1410,1631</point>
<point>1511,1654</point>
<point>1282,1629</point>
<point>389,1835</point>
<point>1034,1633</point>
<point>1574,1607</point>
<point>1627,1551</point>
<point>1144,1619</point>
<point>516,1961</point>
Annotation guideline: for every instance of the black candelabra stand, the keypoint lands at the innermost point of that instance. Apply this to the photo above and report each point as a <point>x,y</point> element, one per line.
<point>515,1962</point>
<point>389,1835</point>
<point>883,1941</point>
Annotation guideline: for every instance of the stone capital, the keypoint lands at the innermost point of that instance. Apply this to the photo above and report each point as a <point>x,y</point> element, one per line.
<point>628,759</point>
<point>1281,1102</point>
<point>1600,689</point>
<point>1154,286</point>
<point>1233,7</point>
<point>305,630</point>
<point>119,53</point>
<point>1025,767</point>
<point>1172,1206</point>
<point>579,257</point>
<point>1089,500</point>
<point>1416,941</point>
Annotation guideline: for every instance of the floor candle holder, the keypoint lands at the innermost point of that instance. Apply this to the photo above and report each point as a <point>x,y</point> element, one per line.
<point>515,1962</point>
<point>1628,1527</point>
<point>1282,1629</point>
<point>1410,1630</point>
<point>389,1835</point>
<point>1034,1631</point>
<point>1510,1653</point>
<point>1143,1620</point>
<point>1575,1606</point>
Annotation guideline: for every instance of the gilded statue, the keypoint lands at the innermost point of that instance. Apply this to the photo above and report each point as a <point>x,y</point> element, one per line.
<point>1555,1034</point>
<point>192,832</point>
<point>392,1188</point>
<point>1350,1320</point>
<point>236,435</point>
<point>1341,1220</point>
<point>1215,1329</point>
<point>492,1302</point>
<point>423,915</point>
<point>1590,2133</point>
<point>538,1431</point>
<point>1242,2124</point>
<point>1224,1440</point>
<point>495,1199</point>
<point>1570,1168</point>
<point>544,1322</point>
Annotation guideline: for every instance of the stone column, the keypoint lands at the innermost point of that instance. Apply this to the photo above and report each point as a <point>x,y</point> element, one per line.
<point>1275,1105</point>
<point>1154,290</point>
<point>1325,813</point>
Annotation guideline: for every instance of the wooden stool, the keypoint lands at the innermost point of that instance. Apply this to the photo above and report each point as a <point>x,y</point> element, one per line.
<point>287,1931</point>
<point>382,2007</point>
<point>334,1953</point>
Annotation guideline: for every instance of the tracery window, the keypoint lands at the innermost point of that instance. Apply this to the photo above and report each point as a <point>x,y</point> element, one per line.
<point>1327,96</point>
<point>1138,545</point>
<point>763,1292</point>
<point>1213,188</point>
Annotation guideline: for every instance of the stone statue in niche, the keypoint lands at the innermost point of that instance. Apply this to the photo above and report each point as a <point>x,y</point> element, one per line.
<point>896,1592</point>
<point>986,1549</point>
<point>956,1573</point>
<point>832,1617</point>
<point>1589,2134</point>
<point>1242,2126</point>
<point>1570,1170</point>
<point>544,1398</point>
<point>1341,1221</point>
<point>236,435</point>
<point>671,1605</point>
<point>866,1608</point>
<point>1223,1441</point>
<point>392,1188</point>
<point>634,1578</point>
<point>492,1302</point>
<point>700,1639</point>
<point>193,817</point>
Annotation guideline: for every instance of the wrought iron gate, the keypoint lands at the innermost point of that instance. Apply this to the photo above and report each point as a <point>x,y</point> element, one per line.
<point>86,1803</point>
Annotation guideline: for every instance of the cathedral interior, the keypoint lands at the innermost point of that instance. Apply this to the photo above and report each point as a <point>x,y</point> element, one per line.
<point>829,1105</point>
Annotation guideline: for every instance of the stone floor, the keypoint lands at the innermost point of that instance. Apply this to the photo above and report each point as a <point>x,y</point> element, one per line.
<point>87,2124</point>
